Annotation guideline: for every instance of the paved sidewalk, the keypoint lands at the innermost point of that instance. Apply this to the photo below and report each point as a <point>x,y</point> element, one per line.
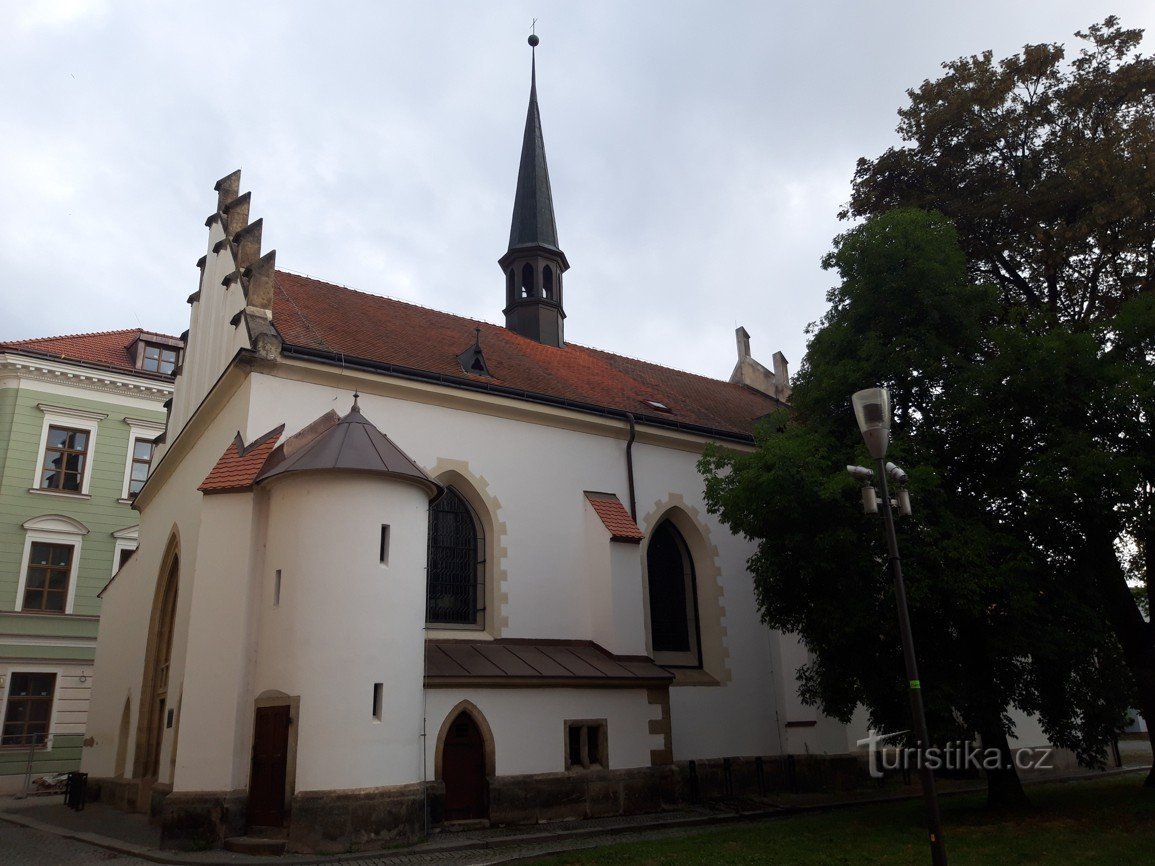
<point>133,836</point>
<point>130,835</point>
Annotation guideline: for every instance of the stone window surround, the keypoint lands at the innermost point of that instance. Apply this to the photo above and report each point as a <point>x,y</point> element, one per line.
<point>474,489</point>
<point>51,529</point>
<point>139,428</point>
<point>585,725</point>
<point>75,419</point>
<point>712,632</point>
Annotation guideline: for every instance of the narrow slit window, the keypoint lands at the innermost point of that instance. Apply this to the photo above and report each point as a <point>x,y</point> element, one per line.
<point>277,588</point>
<point>384,551</point>
<point>378,690</point>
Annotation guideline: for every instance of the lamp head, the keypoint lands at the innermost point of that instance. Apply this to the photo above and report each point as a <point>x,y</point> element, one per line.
<point>872,411</point>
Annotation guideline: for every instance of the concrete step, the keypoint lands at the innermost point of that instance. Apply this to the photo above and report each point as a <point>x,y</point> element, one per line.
<point>258,845</point>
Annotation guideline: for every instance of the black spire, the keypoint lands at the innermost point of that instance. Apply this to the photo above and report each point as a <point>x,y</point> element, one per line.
<point>533,220</point>
<point>534,263</point>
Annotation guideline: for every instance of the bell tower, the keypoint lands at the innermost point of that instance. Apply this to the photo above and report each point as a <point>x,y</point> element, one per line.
<point>533,265</point>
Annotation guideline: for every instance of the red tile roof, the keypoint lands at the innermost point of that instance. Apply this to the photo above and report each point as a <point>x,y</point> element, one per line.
<point>320,317</point>
<point>109,349</point>
<point>240,465</point>
<point>615,518</point>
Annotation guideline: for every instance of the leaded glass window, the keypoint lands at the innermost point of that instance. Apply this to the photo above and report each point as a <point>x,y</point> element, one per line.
<point>455,562</point>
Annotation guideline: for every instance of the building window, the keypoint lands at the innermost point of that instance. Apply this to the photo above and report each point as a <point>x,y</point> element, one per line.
<point>456,567</point>
<point>139,462</point>
<point>141,450</point>
<point>29,709</point>
<point>585,744</point>
<point>48,567</point>
<point>673,599</point>
<point>67,443</point>
<point>65,455</point>
<point>158,359</point>
<point>48,578</point>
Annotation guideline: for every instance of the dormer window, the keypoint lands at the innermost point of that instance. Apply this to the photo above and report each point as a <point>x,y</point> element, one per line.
<point>156,353</point>
<point>158,359</point>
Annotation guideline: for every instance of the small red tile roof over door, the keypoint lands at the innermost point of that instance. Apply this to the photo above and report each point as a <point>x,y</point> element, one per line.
<point>332,320</point>
<point>108,349</point>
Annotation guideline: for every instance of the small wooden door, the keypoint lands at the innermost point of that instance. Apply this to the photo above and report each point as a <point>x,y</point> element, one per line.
<point>463,770</point>
<point>270,761</point>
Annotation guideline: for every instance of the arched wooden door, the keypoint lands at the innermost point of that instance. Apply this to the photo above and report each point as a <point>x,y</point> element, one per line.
<point>463,770</point>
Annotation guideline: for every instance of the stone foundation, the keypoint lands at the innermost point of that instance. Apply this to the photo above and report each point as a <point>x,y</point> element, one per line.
<point>198,820</point>
<point>583,794</point>
<point>330,822</point>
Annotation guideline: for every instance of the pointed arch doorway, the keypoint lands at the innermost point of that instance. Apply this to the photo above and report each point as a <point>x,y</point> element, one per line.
<point>465,762</point>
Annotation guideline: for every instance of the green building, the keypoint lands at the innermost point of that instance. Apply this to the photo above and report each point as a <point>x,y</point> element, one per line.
<point>78,416</point>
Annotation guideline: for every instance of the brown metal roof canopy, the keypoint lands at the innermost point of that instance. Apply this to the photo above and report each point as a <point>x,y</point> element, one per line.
<point>512,662</point>
<point>353,444</point>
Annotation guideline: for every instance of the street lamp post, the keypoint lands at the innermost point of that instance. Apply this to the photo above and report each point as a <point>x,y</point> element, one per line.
<point>872,411</point>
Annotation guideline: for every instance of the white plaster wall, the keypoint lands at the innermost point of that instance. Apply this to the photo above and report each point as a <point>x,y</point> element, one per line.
<point>127,601</point>
<point>745,699</point>
<point>529,724</point>
<point>344,622</point>
<point>539,473</point>
<point>614,572</point>
<point>216,697</point>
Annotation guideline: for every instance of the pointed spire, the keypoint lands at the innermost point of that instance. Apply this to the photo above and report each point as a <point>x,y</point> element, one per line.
<point>534,262</point>
<point>533,219</point>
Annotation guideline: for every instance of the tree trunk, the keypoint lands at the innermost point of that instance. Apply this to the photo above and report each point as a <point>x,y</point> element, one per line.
<point>1004,788</point>
<point>1135,634</point>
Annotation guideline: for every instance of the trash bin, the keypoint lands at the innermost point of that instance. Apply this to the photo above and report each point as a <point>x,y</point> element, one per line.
<point>76,790</point>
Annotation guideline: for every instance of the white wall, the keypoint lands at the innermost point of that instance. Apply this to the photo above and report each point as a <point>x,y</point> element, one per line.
<point>529,724</point>
<point>344,622</point>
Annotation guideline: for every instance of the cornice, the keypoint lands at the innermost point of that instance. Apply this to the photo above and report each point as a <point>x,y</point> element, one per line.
<point>28,368</point>
<point>486,403</point>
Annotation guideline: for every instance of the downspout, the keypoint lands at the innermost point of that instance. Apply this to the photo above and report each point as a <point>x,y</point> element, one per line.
<point>630,466</point>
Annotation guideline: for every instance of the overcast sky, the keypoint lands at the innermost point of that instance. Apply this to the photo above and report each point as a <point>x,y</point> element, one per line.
<point>699,152</point>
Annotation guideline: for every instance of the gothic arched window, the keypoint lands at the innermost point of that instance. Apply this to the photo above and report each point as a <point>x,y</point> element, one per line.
<point>547,282</point>
<point>456,565</point>
<point>527,287</point>
<point>673,599</point>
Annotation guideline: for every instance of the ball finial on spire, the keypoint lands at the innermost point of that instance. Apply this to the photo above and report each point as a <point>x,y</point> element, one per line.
<point>533,40</point>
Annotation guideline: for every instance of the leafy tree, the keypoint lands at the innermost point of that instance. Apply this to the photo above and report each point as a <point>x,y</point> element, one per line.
<point>1047,170</point>
<point>994,625</point>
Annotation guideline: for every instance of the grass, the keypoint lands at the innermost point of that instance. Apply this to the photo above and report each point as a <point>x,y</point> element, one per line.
<point>1102,821</point>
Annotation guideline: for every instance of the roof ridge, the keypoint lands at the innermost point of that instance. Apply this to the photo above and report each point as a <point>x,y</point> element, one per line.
<point>81,336</point>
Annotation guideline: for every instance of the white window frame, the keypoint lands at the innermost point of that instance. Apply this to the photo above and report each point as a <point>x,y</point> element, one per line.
<point>21,668</point>
<point>126,539</point>
<point>75,419</point>
<point>138,429</point>
<point>51,529</point>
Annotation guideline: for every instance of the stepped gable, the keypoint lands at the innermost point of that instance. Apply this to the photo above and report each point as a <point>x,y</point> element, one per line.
<point>354,326</point>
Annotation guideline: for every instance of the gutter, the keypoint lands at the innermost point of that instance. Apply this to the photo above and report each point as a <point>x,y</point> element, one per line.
<point>337,359</point>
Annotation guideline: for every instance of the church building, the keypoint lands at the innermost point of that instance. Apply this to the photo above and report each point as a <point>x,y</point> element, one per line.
<point>398,568</point>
